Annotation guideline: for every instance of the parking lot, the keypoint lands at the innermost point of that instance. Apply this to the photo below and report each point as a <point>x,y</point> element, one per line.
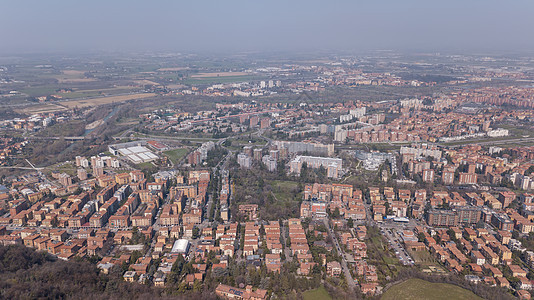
<point>395,242</point>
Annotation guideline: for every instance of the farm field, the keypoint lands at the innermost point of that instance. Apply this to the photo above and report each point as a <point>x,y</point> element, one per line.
<point>41,108</point>
<point>73,76</point>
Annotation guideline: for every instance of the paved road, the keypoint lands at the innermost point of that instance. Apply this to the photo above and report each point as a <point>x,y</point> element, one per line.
<point>287,250</point>
<point>350,281</point>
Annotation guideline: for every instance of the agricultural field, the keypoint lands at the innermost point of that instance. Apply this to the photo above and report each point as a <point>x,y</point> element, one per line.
<point>415,289</point>
<point>73,76</point>
<point>41,109</point>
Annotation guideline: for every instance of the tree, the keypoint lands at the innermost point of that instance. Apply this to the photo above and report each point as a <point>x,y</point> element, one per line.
<point>304,171</point>
<point>336,214</point>
<point>420,237</point>
<point>196,232</point>
<point>350,223</point>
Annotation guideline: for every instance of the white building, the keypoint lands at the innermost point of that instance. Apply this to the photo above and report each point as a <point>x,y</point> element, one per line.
<point>244,161</point>
<point>269,162</point>
<point>333,166</point>
<point>180,246</point>
<point>498,132</point>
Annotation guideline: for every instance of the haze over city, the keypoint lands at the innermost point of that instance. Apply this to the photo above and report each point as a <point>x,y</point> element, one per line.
<point>229,26</point>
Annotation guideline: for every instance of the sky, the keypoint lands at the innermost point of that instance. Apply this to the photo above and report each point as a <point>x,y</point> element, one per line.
<point>483,26</point>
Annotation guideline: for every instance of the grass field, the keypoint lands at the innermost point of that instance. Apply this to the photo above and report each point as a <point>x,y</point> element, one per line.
<point>148,166</point>
<point>316,294</point>
<point>176,155</point>
<point>414,289</point>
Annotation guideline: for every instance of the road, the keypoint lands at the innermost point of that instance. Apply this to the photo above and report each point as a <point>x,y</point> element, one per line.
<point>156,226</point>
<point>394,241</point>
<point>482,143</point>
<point>287,250</point>
<point>350,281</point>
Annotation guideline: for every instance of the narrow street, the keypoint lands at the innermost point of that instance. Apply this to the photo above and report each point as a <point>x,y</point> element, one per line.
<point>350,281</point>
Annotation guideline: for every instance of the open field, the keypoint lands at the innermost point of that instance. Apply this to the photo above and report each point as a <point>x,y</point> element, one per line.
<point>96,92</point>
<point>176,86</point>
<point>146,166</point>
<point>146,82</point>
<point>176,155</point>
<point>173,69</point>
<point>105,100</point>
<point>283,190</point>
<point>221,79</point>
<point>127,121</point>
<point>316,294</point>
<point>51,107</point>
<point>41,108</point>
<point>414,289</point>
<point>73,76</point>
<point>219,74</point>
<point>67,168</point>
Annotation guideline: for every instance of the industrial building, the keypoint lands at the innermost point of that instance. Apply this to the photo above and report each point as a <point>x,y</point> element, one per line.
<point>134,151</point>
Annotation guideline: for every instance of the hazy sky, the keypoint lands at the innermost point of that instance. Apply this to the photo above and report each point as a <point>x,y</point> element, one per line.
<point>269,25</point>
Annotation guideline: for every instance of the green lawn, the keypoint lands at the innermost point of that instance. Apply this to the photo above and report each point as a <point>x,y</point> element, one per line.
<point>316,294</point>
<point>415,289</point>
<point>146,166</point>
<point>176,155</point>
